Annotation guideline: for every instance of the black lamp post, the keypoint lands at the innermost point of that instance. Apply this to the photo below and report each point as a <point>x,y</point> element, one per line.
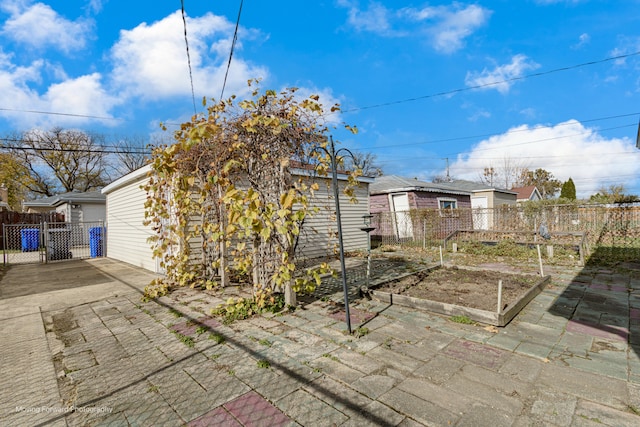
<point>333,155</point>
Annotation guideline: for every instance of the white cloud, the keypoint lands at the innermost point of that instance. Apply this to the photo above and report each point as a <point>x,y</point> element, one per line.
<point>150,61</point>
<point>583,40</point>
<point>479,114</point>
<point>326,98</point>
<point>39,26</point>
<point>83,95</point>
<point>94,6</point>
<point>501,77</point>
<point>446,27</point>
<point>457,24</point>
<point>568,150</point>
<point>375,19</point>
<point>626,46</point>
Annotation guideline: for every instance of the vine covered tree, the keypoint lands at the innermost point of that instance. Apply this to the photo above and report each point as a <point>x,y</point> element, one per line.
<point>226,183</point>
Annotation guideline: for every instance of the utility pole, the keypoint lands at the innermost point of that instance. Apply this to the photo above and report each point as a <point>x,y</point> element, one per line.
<point>448,177</point>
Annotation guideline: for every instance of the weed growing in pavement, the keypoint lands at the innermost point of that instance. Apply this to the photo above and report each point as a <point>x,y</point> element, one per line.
<point>219,339</point>
<point>462,319</point>
<point>330,357</point>
<point>215,356</point>
<point>201,330</point>
<point>265,342</point>
<point>360,332</point>
<point>243,308</point>
<point>185,339</point>
<point>152,389</point>
<point>263,364</point>
<point>175,313</point>
<point>231,372</point>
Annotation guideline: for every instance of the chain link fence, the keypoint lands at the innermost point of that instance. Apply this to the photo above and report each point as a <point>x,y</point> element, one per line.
<point>611,231</point>
<point>35,243</point>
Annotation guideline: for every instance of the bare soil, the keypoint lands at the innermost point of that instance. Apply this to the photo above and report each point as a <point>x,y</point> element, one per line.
<point>464,287</point>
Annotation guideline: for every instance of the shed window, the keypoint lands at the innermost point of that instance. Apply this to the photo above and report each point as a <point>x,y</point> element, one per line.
<point>447,206</point>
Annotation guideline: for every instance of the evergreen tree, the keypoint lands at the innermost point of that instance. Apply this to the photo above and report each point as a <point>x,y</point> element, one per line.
<point>568,190</point>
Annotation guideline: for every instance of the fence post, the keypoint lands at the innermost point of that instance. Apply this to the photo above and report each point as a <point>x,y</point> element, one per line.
<point>45,241</point>
<point>4,244</point>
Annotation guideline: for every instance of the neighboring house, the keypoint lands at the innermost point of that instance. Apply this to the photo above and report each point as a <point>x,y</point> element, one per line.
<point>484,201</point>
<point>127,236</point>
<point>399,196</point>
<point>528,193</point>
<point>76,206</point>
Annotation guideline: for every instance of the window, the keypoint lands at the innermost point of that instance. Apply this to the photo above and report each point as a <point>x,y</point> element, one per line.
<point>447,206</point>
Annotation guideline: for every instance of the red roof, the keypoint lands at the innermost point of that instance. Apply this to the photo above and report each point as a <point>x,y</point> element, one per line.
<point>524,193</point>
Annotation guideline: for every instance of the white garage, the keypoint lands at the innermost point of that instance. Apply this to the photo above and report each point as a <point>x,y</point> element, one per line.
<point>127,236</point>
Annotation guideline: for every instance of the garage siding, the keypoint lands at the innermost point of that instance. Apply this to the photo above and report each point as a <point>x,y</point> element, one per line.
<point>126,235</point>
<point>315,238</point>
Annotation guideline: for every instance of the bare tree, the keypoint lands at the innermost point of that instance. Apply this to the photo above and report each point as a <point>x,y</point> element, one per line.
<point>132,153</point>
<point>512,173</point>
<point>62,160</point>
<point>489,176</point>
<point>365,161</point>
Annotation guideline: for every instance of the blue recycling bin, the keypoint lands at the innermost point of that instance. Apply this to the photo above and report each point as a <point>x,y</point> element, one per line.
<point>95,241</point>
<point>30,239</point>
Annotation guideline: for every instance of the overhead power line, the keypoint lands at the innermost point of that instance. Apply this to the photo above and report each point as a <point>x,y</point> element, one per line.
<point>233,44</point>
<point>488,135</point>
<point>496,83</point>
<point>186,42</point>
<point>53,113</point>
<point>7,144</point>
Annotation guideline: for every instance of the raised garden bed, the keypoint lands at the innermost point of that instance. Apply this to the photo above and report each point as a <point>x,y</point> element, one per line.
<point>457,291</point>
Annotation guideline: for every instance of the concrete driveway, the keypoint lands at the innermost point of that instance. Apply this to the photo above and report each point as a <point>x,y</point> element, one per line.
<point>28,292</point>
<point>86,351</point>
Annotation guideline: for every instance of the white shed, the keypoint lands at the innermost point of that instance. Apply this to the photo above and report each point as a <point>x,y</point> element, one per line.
<point>127,236</point>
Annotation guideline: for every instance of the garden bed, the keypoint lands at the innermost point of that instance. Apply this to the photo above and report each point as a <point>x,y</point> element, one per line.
<point>467,292</point>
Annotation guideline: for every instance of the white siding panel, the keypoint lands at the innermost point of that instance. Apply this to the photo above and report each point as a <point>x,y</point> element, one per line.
<point>315,240</point>
<point>126,234</point>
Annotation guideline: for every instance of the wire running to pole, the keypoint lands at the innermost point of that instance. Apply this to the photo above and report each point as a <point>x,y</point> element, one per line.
<point>233,44</point>
<point>495,83</point>
<point>186,42</point>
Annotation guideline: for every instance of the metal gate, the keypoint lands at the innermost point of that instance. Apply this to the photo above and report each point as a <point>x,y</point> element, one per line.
<point>55,241</point>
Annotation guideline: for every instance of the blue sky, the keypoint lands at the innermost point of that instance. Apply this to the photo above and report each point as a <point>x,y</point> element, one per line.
<point>525,82</point>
